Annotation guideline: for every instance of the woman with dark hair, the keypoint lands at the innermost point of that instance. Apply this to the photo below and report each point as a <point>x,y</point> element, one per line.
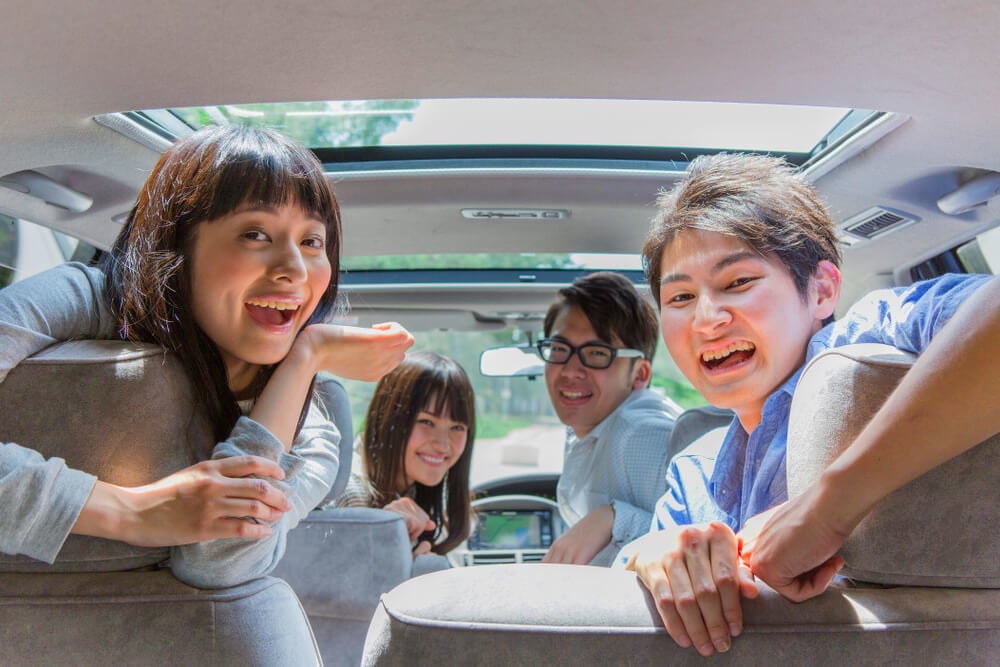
<point>228,260</point>
<point>416,449</point>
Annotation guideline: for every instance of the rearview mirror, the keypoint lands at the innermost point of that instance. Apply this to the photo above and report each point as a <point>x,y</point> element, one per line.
<point>511,361</point>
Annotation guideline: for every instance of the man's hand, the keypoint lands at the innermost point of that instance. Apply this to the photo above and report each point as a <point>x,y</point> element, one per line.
<point>357,353</point>
<point>696,579</point>
<point>206,501</point>
<point>584,540</point>
<point>792,550</point>
<point>416,518</point>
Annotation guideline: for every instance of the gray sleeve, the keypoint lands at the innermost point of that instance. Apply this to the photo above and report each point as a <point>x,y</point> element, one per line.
<point>642,463</point>
<point>43,498</point>
<point>64,303</point>
<point>310,468</point>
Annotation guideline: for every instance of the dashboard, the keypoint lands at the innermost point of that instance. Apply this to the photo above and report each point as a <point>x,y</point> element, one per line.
<point>510,529</point>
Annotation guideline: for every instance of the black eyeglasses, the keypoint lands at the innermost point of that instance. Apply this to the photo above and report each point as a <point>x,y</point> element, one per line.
<point>592,355</point>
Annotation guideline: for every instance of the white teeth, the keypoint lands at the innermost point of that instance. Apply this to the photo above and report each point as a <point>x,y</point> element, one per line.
<point>277,305</point>
<point>432,459</point>
<point>742,346</point>
<point>574,394</point>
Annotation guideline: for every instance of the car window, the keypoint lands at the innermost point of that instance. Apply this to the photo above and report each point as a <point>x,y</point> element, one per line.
<point>27,249</point>
<point>517,431</point>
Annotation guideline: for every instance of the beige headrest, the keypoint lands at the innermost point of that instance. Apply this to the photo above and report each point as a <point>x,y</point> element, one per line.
<point>938,530</point>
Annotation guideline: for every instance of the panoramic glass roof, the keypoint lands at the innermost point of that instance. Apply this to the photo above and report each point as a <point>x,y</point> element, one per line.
<point>493,126</point>
<point>366,135</point>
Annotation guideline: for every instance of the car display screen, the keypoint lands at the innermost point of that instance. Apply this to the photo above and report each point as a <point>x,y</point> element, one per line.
<point>513,529</point>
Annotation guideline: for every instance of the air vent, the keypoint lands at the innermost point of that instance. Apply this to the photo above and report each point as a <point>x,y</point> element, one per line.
<point>875,222</point>
<point>498,557</point>
<point>491,558</point>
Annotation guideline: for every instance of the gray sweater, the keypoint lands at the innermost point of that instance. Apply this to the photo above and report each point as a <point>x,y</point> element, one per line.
<point>42,498</point>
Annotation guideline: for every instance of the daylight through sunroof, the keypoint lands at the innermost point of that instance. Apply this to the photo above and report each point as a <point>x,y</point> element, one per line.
<point>551,122</point>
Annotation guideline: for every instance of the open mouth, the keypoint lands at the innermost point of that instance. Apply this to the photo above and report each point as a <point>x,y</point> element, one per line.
<point>431,460</point>
<point>574,395</point>
<point>273,313</point>
<point>733,354</point>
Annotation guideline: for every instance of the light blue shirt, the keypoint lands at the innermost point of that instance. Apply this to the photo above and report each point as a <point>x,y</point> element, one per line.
<point>745,475</point>
<point>622,462</point>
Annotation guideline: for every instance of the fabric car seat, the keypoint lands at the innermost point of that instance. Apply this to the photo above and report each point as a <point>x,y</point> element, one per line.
<point>340,561</point>
<point>125,413</point>
<point>922,584</point>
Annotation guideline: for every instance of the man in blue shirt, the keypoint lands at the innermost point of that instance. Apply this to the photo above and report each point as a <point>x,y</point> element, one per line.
<point>742,260</point>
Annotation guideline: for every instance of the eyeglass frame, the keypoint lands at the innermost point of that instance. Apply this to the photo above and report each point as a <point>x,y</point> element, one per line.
<point>623,352</point>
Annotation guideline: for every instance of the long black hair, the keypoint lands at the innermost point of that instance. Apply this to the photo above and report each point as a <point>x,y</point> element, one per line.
<point>439,385</point>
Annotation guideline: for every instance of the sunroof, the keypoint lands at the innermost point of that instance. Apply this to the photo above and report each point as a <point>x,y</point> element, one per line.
<point>651,124</point>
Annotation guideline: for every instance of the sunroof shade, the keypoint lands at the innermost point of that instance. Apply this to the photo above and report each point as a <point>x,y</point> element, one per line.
<point>707,126</point>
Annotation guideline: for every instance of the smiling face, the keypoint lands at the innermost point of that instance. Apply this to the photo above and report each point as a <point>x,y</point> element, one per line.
<point>436,443</point>
<point>734,322</point>
<point>257,274</point>
<point>583,397</point>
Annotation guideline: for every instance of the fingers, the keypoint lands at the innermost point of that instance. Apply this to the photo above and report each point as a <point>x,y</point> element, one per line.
<point>243,466</point>
<point>747,582</point>
<point>415,517</point>
<point>654,578</point>
<point>697,595</point>
<point>424,547</point>
<point>264,500</point>
<point>812,583</point>
<point>557,553</point>
<point>725,564</point>
<point>241,528</point>
<point>696,581</point>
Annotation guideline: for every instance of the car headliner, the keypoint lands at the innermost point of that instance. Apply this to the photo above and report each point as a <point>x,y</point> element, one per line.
<point>932,61</point>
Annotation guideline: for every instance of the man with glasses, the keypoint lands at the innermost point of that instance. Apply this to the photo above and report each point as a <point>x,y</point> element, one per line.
<point>600,335</point>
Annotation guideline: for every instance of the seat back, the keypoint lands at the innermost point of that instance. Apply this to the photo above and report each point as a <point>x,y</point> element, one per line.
<point>572,615</point>
<point>938,530</point>
<point>330,395</point>
<point>340,561</point>
<point>126,414</point>
<point>696,423</point>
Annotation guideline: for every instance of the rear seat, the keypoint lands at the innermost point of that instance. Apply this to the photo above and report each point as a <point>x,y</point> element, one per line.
<point>924,586</point>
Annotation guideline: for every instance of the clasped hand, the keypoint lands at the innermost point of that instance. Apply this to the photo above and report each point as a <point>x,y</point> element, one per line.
<point>696,579</point>
<point>417,522</point>
<point>206,501</point>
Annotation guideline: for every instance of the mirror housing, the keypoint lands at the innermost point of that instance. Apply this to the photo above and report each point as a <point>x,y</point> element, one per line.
<point>511,361</point>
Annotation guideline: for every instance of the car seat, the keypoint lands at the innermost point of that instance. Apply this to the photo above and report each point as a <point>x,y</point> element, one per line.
<point>125,413</point>
<point>922,583</point>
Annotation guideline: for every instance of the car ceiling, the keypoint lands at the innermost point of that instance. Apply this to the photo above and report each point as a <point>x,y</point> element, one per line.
<point>65,62</point>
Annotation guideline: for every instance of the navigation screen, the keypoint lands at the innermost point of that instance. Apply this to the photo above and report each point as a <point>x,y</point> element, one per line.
<point>513,529</point>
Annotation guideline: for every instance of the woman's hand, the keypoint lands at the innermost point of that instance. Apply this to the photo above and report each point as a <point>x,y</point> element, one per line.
<point>696,579</point>
<point>357,353</point>
<point>206,501</point>
<point>416,518</point>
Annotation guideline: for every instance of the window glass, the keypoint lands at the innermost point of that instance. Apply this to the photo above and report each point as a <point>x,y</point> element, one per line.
<point>27,249</point>
<point>8,250</point>
<point>591,261</point>
<point>517,429</point>
<point>564,122</point>
<point>982,254</point>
